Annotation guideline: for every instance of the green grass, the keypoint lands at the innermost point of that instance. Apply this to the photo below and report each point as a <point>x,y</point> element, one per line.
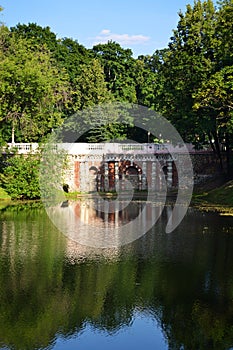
<point>221,196</point>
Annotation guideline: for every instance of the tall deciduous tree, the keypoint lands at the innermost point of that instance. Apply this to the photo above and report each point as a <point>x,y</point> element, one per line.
<point>189,60</point>
<point>68,53</point>
<point>91,86</point>
<point>224,33</point>
<point>214,97</point>
<point>119,67</point>
<point>37,35</point>
<point>215,100</point>
<point>32,89</point>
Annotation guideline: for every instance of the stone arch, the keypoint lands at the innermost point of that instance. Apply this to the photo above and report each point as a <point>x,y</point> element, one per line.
<point>93,169</point>
<point>128,164</point>
<point>132,172</point>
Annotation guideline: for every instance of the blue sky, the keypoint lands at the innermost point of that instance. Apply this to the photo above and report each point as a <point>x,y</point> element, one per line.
<point>143,26</point>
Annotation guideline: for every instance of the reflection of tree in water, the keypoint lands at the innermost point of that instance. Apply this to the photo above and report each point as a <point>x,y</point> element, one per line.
<point>185,282</point>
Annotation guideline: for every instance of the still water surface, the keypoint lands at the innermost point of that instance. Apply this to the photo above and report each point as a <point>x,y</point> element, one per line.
<point>164,291</point>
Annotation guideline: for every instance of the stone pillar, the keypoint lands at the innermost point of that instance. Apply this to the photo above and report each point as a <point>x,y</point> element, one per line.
<point>144,175</point>
<point>153,176</point>
<point>106,182</point>
<point>84,177</point>
<point>122,184</point>
<point>116,176</point>
<point>140,182</point>
<point>169,174</point>
<point>87,175</point>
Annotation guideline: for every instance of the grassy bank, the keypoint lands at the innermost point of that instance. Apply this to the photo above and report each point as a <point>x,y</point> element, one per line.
<point>4,195</point>
<point>220,199</point>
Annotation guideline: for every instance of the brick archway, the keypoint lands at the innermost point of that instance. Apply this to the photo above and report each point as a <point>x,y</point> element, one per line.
<point>124,165</point>
<point>132,172</point>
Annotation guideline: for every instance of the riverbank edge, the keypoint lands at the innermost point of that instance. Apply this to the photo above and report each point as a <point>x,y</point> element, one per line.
<point>219,199</point>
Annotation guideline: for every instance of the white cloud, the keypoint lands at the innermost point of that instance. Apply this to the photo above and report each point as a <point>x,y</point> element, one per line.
<point>124,39</point>
<point>105,31</point>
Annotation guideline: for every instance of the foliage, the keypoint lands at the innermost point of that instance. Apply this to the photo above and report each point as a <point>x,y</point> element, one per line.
<point>45,79</point>
<point>53,163</point>
<point>4,195</point>
<point>32,89</point>
<point>119,68</point>
<point>45,274</point>
<point>20,176</point>
<point>188,62</point>
<point>91,86</point>
<point>36,35</point>
<point>216,96</point>
<point>195,72</point>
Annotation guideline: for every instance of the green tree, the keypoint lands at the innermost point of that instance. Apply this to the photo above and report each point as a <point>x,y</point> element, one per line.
<point>119,66</point>
<point>189,61</point>
<point>91,87</point>
<point>150,80</point>
<point>215,100</point>
<point>224,33</point>
<point>33,91</point>
<point>37,35</point>
<point>68,54</point>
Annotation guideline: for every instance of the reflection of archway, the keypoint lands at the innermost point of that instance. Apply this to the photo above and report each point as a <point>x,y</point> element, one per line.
<point>93,171</point>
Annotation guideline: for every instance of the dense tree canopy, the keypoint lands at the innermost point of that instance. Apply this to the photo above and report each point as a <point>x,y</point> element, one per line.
<point>196,75</point>
<point>45,78</point>
<point>118,66</point>
<point>33,90</point>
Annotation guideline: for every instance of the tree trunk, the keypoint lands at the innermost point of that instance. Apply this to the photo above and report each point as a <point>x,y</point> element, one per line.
<point>228,155</point>
<point>13,133</point>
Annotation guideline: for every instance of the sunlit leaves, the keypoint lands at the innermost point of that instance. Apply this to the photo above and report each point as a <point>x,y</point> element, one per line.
<point>32,89</point>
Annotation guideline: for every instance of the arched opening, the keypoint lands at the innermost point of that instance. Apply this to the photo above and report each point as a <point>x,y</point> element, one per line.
<point>165,171</point>
<point>132,174</point>
<point>93,171</point>
<point>65,188</point>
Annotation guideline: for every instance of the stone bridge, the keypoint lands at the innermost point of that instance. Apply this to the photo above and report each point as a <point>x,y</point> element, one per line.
<point>108,166</point>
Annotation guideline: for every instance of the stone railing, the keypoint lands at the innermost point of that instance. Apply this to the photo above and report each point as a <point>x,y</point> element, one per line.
<point>23,148</point>
<point>121,148</point>
<point>106,148</point>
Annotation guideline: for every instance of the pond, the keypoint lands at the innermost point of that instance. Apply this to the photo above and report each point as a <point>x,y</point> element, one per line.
<point>162,291</point>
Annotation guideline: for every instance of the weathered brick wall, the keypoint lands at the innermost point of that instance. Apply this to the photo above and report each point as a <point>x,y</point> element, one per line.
<point>205,163</point>
<point>205,166</point>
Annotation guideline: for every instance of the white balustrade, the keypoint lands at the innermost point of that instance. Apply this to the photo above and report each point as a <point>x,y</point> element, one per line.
<point>106,148</point>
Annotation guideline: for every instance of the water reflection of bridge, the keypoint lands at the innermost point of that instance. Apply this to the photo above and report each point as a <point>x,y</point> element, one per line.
<point>99,223</point>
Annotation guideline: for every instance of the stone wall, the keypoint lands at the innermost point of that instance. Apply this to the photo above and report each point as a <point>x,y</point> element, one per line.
<point>103,173</point>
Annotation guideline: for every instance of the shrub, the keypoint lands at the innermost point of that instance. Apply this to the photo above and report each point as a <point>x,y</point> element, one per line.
<point>20,177</point>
